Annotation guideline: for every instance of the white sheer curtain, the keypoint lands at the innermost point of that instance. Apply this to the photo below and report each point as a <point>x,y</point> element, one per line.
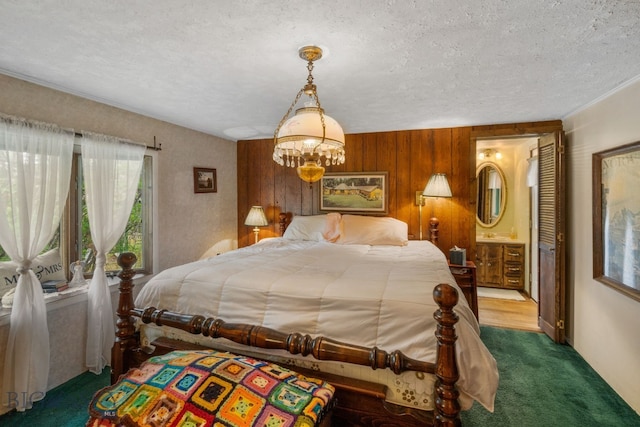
<point>111,171</point>
<point>35,167</point>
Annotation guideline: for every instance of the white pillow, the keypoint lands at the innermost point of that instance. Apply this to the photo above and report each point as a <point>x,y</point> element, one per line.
<point>47,266</point>
<point>371,230</point>
<point>306,228</point>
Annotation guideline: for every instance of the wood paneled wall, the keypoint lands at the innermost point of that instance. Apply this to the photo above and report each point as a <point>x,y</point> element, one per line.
<point>410,157</point>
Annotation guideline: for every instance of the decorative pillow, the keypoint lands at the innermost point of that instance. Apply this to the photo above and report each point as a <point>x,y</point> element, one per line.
<point>306,228</point>
<point>332,227</point>
<point>208,387</point>
<point>47,266</point>
<point>371,230</point>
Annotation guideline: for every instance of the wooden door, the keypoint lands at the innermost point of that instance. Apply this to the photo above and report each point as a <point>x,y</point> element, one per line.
<point>551,242</point>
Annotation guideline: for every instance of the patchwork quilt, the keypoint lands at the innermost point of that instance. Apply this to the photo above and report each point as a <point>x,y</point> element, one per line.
<point>210,388</point>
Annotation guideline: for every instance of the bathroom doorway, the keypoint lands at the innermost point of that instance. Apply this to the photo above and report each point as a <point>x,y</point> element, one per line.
<point>509,227</point>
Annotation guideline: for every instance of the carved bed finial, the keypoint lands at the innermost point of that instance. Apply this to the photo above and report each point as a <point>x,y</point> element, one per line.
<point>283,222</point>
<point>434,231</point>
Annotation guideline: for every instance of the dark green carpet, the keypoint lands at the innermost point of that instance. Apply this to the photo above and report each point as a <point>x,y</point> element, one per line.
<point>541,385</point>
<point>64,406</point>
<point>545,384</point>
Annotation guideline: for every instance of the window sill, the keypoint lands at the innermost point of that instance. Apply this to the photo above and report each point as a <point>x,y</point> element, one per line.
<point>73,295</point>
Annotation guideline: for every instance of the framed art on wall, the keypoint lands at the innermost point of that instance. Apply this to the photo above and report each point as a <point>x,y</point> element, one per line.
<point>204,180</point>
<point>616,218</point>
<point>355,192</point>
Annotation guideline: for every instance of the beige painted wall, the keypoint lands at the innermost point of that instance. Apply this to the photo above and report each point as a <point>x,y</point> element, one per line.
<point>603,322</point>
<point>187,224</point>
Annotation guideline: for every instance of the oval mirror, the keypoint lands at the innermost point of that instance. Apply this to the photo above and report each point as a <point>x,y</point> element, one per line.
<point>492,194</point>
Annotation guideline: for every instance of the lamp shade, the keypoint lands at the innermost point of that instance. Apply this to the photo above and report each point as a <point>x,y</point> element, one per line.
<point>438,186</point>
<point>256,217</point>
<point>301,138</point>
<point>302,134</point>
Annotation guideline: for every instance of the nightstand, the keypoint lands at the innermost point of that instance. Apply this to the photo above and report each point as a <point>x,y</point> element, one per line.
<point>465,276</point>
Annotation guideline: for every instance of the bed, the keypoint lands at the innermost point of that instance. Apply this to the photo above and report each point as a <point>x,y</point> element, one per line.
<point>345,297</point>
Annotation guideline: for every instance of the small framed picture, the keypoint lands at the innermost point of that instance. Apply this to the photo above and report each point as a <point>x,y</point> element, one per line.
<point>204,180</point>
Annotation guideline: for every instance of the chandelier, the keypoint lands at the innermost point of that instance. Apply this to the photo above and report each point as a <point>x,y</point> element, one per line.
<point>309,135</point>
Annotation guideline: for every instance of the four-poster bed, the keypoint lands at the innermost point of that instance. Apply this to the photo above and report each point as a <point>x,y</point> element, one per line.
<point>360,399</point>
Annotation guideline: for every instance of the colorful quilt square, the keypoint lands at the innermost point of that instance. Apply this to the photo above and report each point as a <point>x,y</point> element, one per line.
<point>187,382</point>
<point>314,408</point>
<point>139,402</point>
<point>192,416</point>
<point>289,399</point>
<point>185,359</point>
<point>274,417</point>
<point>241,408</point>
<point>251,361</point>
<point>167,374</point>
<point>233,370</point>
<point>259,382</point>
<point>110,399</point>
<point>141,375</point>
<point>304,421</point>
<point>325,392</point>
<point>277,371</point>
<point>163,411</point>
<point>302,384</point>
<point>212,393</point>
<point>97,422</point>
<point>208,362</point>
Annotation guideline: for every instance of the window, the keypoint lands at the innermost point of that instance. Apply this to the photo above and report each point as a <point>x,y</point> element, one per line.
<point>74,236</point>
<point>136,237</point>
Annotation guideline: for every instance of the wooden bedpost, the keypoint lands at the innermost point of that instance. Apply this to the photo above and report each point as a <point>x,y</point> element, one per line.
<point>282,217</point>
<point>125,327</point>
<point>434,231</point>
<point>447,412</point>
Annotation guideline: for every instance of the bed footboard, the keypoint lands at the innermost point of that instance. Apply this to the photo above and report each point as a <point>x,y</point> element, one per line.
<point>447,412</point>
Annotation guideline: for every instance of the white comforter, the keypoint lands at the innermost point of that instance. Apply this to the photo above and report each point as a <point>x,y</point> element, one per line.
<point>368,295</point>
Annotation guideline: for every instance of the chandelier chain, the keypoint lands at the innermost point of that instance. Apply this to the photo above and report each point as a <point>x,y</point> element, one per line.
<point>284,118</point>
<point>314,95</point>
<point>324,128</point>
<point>310,76</point>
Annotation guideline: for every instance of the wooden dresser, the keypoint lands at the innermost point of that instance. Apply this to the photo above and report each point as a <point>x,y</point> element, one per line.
<point>500,264</point>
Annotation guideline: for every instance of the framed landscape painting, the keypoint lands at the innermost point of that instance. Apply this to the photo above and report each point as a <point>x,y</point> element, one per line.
<point>616,218</point>
<point>355,192</point>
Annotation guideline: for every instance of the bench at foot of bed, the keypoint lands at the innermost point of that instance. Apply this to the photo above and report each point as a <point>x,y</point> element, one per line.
<point>207,387</point>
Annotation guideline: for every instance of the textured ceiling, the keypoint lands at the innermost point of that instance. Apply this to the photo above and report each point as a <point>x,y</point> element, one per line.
<point>231,68</point>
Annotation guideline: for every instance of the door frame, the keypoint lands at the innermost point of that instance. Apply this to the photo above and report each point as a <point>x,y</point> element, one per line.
<point>556,331</point>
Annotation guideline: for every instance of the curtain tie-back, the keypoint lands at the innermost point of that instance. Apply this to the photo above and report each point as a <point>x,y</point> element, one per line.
<point>101,260</point>
<point>24,267</point>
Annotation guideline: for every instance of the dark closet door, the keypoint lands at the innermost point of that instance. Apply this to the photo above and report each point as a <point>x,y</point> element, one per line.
<point>551,244</point>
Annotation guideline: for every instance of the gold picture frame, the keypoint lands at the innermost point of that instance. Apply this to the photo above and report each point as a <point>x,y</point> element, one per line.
<point>355,192</point>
